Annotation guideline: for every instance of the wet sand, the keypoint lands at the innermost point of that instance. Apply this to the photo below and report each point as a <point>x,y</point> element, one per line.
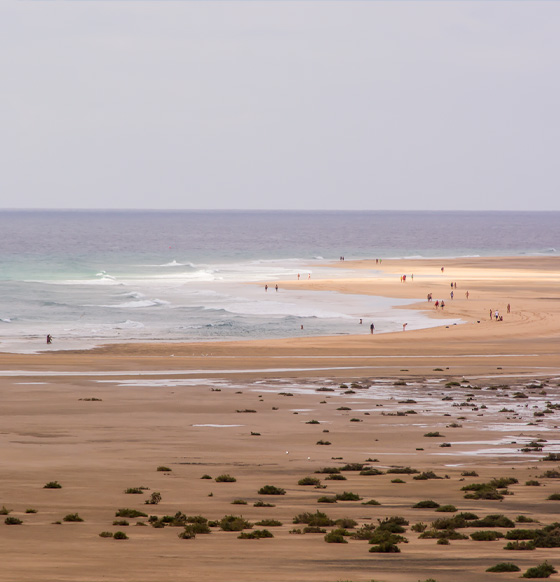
<point>484,385</point>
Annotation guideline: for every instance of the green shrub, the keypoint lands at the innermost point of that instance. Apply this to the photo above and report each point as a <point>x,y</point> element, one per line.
<point>554,497</point>
<point>504,567</point>
<point>106,534</point>
<point>135,490</point>
<point>543,570</point>
<point>322,442</point>
<point>255,535</point>
<point>443,541</point>
<point>347,496</point>
<point>225,479</point>
<point>314,519</point>
<point>532,483</point>
<point>523,534</point>
<point>402,471</point>
<point>30,510</point>
<point>234,523</point>
<point>164,468</point>
<point>239,502</point>
<point>494,520</point>
<point>186,535</point>
<point>312,422</point>
<point>271,490</point>
<point>434,434</point>
<point>469,474</point>
<point>197,528</point>
<point>520,546</point>
<point>52,485</point>
<point>427,504</point>
<point>120,522</point>
<point>5,510</point>
<point>328,470</point>
<point>73,517</point>
<point>335,537</point>
<point>426,475</point>
<point>313,529</point>
<point>486,536</point>
<point>397,480</point>
<point>309,481</point>
<point>385,548</point>
<point>447,509</point>
<point>206,476</point>
<point>125,512</point>
<point>524,519</point>
<point>120,535</point>
<point>419,527</point>
<point>263,504</point>
<point>326,499</point>
<point>551,474</point>
<point>13,521</point>
<point>335,477</point>
<point>155,498</point>
<point>269,523</point>
<point>370,472</point>
<point>371,502</point>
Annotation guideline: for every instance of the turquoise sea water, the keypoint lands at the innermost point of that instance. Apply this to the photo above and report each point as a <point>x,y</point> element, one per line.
<point>93,277</point>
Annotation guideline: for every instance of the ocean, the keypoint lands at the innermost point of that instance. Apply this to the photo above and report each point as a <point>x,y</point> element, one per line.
<point>95,277</point>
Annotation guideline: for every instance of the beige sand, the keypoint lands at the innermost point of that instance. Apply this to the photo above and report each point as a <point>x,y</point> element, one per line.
<point>158,402</point>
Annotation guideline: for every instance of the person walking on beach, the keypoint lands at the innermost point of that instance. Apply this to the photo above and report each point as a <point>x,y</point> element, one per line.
<point>490,314</point>
<point>404,326</point>
<point>437,303</point>
<point>508,307</point>
<point>298,276</point>
<point>467,294</point>
<point>497,314</point>
<point>276,286</point>
<point>49,338</point>
<point>371,328</point>
<point>442,303</point>
<point>266,287</point>
<point>451,294</point>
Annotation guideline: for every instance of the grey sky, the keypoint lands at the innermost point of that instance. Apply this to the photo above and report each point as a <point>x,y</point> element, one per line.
<point>262,104</point>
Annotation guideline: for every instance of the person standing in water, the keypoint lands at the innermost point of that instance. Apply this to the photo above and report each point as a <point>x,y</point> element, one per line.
<point>371,328</point>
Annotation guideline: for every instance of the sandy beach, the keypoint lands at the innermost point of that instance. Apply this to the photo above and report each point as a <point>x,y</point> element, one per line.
<point>274,412</point>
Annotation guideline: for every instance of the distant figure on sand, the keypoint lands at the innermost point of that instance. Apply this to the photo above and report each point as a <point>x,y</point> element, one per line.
<point>49,338</point>
<point>360,321</point>
<point>371,328</point>
<point>451,294</point>
<point>437,303</point>
<point>442,269</point>
<point>276,286</point>
<point>490,314</point>
<point>467,294</point>
<point>404,326</point>
<point>298,276</point>
<point>442,303</point>
<point>497,314</point>
<point>508,307</point>
<point>266,287</point>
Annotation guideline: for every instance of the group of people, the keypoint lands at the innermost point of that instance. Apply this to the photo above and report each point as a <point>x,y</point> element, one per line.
<point>496,313</point>
<point>403,278</point>
<point>266,287</point>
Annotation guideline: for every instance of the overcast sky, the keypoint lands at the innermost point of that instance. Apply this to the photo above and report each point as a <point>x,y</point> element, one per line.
<point>280,104</point>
